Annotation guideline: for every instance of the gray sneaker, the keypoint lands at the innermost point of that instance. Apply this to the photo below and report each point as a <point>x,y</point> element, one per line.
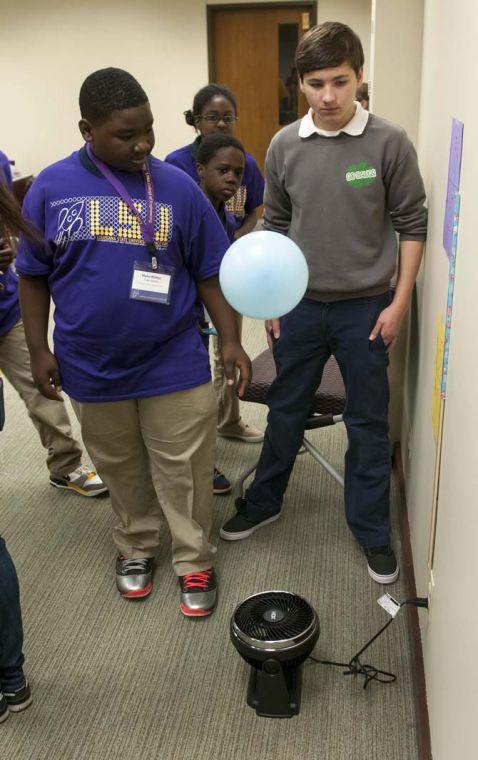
<point>20,699</point>
<point>198,593</point>
<point>83,481</point>
<point>241,526</point>
<point>134,576</point>
<point>4,711</point>
<point>382,564</point>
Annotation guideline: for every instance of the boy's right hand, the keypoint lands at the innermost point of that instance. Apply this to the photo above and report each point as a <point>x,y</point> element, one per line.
<point>46,374</point>
<point>272,329</point>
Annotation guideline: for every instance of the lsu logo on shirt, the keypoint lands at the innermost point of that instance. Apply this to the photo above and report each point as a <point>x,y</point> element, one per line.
<point>361,174</point>
<point>236,204</point>
<point>108,218</point>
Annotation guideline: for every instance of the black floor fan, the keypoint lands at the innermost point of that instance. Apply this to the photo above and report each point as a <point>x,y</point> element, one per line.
<point>275,631</point>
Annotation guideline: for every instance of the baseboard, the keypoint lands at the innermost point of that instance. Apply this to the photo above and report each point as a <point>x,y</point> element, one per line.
<point>418,670</point>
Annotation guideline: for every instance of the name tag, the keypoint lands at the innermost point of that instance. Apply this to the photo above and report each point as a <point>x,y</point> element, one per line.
<point>150,284</point>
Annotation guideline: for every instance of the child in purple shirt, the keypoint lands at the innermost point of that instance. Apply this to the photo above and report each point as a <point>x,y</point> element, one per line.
<point>220,164</point>
<point>130,242</point>
<point>214,111</point>
<point>50,418</point>
<point>221,160</point>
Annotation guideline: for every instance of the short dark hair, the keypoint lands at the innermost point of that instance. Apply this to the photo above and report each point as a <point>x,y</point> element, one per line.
<point>108,90</point>
<point>210,144</point>
<point>202,98</point>
<point>326,46</point>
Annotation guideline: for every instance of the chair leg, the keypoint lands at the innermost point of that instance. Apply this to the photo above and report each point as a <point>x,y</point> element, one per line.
<point>315,453</point>
<point>239,488</point>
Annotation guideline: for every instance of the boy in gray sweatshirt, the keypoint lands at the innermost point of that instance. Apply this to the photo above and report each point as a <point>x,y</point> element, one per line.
<point>341,183</point>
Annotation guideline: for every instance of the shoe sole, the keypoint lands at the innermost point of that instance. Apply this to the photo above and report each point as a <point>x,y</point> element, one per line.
<point>220,492</point>
<point>195,613</point>
<point>140,594</point>
<point>21,706</point>
<point>243,439</point>
<point>245,533</point>
<point>384,580</point>
<point>80,491</point>
<point>4,715</point>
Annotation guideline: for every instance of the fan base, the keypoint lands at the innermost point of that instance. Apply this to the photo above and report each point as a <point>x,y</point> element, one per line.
<point>274,692</point>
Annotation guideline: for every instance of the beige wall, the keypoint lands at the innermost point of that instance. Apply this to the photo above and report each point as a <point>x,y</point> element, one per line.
<point>395,78</point>
<point>397,29</point>
<point>355,13</point>
<point>450,67</point>
<point>48,48</point>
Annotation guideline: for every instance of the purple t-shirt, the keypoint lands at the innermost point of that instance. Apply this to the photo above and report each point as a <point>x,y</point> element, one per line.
<point>110,347</point>
<point>5,169</point>
<point>250,194</point>
<point>9,306</point>
<point>228,222</point>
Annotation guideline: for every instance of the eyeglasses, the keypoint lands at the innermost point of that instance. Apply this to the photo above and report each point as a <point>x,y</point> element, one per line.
<point>214,118</point>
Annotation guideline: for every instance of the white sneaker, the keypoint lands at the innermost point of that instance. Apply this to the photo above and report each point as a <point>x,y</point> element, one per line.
<point>83,481</point>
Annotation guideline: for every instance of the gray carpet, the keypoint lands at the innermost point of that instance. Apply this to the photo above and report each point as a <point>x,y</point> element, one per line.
<point>136,680</point>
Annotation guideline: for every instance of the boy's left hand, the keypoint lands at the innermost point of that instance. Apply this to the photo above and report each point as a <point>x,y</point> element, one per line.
<point>233,355</point>
<point>388,325</point>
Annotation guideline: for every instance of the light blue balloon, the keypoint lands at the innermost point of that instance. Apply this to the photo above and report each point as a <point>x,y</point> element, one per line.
<point>264,275</point>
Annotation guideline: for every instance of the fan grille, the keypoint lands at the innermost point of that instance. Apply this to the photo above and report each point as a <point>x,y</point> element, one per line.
<point>294,618</point>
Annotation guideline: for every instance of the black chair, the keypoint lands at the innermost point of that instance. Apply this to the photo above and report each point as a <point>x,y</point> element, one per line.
<point>327,407</point>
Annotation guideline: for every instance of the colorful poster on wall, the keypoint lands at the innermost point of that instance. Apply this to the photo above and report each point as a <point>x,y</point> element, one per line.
<point>438,374</point>
<point>453,185</point>
<point>443,329</point>
<point>450,292</point>
<point>450,242</point>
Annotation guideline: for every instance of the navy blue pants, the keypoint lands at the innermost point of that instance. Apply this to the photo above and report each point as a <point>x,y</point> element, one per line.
<point>11,632</point>
<point>310,334</point>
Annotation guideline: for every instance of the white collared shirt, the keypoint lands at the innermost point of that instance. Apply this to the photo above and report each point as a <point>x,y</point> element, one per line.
<point>354,127</point>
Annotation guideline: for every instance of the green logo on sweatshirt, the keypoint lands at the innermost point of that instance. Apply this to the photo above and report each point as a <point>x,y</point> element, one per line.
<point>361,174</point>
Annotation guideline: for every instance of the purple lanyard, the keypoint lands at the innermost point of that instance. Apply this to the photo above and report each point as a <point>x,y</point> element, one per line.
<point>147,228</point>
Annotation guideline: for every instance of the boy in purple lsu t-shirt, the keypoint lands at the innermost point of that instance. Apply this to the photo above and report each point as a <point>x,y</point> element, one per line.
<point>130,242</point>
<point>49,417</point>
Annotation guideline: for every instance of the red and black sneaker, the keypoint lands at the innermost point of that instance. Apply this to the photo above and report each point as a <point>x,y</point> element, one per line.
<point>198,593</point>
<point>220,484</point>
<point>134,576</point>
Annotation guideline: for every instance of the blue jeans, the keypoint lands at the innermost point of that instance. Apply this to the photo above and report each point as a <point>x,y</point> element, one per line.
<point>310,334</point>
<point>11,632</point>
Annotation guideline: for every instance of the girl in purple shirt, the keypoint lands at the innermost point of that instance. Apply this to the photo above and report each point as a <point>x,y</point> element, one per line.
<point>214,111</point>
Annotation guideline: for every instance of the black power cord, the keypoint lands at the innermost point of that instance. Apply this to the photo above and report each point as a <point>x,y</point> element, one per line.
<point>370,672</point>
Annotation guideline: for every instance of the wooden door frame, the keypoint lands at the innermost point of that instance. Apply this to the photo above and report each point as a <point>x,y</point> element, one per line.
<point>211,9</point>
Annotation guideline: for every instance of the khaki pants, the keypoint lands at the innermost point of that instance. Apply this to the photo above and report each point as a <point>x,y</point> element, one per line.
<point>157,454</point>
<point>228,414</point>
<point>49,417</point>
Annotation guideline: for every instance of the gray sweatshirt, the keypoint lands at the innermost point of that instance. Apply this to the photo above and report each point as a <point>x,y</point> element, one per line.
<point>342,199</point>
